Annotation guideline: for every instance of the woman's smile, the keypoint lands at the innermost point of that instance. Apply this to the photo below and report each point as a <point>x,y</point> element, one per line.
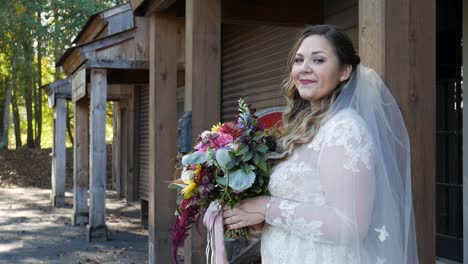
<point>307,81</point>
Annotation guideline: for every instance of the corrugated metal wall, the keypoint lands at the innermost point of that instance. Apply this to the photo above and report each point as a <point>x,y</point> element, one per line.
<point>143,146</point>
<point>254,64</point>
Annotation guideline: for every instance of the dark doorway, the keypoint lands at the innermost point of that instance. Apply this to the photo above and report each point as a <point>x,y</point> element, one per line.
<point>449,97</point>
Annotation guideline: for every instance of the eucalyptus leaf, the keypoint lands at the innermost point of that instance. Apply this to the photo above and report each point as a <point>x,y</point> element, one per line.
<point>240,181</point>
<point>221,181</point>
<point>223,157</point>
<point>193,158</point>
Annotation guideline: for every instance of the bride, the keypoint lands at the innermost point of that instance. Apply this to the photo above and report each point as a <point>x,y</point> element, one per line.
<point>342,194</point>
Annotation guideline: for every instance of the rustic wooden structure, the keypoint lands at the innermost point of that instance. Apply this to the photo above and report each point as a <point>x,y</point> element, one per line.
<point>109,62</point>
<point>59,92</point>
<point>229,49</point>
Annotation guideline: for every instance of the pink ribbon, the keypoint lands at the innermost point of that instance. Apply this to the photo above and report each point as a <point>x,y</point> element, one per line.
<point>213,220</point>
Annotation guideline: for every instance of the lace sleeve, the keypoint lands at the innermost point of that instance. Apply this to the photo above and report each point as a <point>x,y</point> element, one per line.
<point>345,165</point>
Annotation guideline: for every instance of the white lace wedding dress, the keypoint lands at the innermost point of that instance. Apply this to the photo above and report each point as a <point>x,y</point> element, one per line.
<point>322,197</point>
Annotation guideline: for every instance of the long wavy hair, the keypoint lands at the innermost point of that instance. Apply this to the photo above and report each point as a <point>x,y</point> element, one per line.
<point>301,121</point>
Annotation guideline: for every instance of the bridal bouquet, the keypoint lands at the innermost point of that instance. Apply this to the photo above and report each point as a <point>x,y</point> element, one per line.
<point>228,164</point>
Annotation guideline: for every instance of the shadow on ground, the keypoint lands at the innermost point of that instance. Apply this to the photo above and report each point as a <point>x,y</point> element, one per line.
<point>31,231</point>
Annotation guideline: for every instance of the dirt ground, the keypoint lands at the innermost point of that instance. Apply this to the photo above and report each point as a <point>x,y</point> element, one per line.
<point>31,231</point>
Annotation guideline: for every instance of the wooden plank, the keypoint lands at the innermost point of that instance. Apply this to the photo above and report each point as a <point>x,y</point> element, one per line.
<point>122,51</point>
<point>141,39</point>
<point>90,47</point>
<point>80,214</point>
<point>202,81</point>
<point>116,10</point>
<point>372,34</point>
<point>162,131</point>
<point>59,154</point>
<point>131,183</point>
<point>115,64</point>
<point>403,44</point>
<point>159,5</point>
<point>120,22</point>
<point>96,229</point>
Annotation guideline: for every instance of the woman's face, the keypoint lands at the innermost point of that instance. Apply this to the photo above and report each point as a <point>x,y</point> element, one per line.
<point>316,71</point>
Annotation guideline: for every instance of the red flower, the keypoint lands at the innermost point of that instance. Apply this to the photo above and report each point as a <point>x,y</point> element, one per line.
<point>231,129</point>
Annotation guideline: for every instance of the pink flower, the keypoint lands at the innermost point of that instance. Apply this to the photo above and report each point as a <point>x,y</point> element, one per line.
<point>224,139</point>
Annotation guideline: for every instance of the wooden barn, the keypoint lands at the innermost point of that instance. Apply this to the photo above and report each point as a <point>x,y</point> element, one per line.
<point>236,48</point>
<point>159,59</point>
<point>108,61</point>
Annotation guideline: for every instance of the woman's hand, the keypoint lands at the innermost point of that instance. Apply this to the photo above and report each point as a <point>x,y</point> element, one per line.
<point>249,212</point>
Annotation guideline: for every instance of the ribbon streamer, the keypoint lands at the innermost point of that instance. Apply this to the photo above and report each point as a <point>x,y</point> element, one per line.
<point>213,220</point>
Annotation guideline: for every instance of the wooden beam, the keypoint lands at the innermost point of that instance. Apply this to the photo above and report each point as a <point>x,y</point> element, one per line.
<point>159,5</point>
<point>81,163</point>
<point>162,134</point>
<point>202,81</point>
<point>402,35</point>
<point>57,195</point>
<point>96,229</point>
<point>115,64</point>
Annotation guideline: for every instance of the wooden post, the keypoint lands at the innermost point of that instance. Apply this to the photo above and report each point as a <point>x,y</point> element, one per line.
<point>162,134</point>
<point>81,163</point>
<point>115,148</point>
<point>131,182</point>
<point>402,35</point>
<point>96,229</point>
<point>57,196</point>
<point>202,83</point>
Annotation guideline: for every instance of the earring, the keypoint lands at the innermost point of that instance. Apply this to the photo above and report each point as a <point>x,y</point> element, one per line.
<point>341,79</point>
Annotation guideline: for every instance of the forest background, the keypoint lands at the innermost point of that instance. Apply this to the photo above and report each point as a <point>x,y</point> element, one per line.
<point>33,36</point>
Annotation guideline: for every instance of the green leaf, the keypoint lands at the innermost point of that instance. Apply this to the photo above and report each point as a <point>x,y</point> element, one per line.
<point>176,186</point>
<point>223,158</point>
<point>257,158</point>
<point>239,181</point>
<point>242,150</point>
<point>193,158</point>
<point>262,148</point>
<point>245,167</point>
<point>221,181</point>
<point>262,165</point>
<point>258,135</point>
<point>247,156</point>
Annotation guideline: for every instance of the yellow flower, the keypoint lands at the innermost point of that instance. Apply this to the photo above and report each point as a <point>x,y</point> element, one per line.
<point>188,191</point>
<point>216,127</point>
<point>198,169</point>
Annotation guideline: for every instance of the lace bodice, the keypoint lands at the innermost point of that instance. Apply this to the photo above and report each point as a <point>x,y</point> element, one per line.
<point>321,197</point>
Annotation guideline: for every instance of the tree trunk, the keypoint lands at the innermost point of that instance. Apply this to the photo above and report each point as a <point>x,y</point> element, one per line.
<point>56,44</point>
<point>16,121</point>
<point>6,116</point>
<point>69,127</point>
<point>38,101</point>
<point>28,96</point>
